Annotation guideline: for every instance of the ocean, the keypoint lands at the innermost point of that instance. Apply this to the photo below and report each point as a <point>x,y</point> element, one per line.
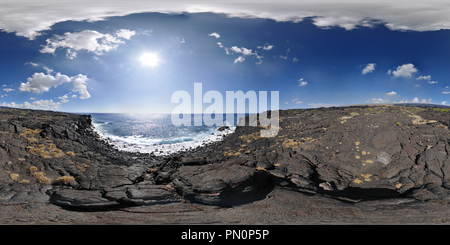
<point>155,133</point>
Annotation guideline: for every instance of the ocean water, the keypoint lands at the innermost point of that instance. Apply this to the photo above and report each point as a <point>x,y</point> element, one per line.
<point>155,133</point>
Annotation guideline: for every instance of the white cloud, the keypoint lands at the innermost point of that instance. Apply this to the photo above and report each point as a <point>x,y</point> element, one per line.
<point>369,68</point>
<point>392,93</point>
<point>295,59</point>
<point>444,92</point>
<point>296,101</point>
<point>404,70</point>
<point>424,78</point>
<point>41,105</point>
<point>447,86</point>
<point>389,72</point>
<point>416,100</point>
<point>286,103</point>
<point>302,82</point>
<point>236,49</point>
<point>8,89</point>
<point>240,59</point>
<point>39,83</point>
<point>247,51</point>
<point>214,34</point>
<point>48,70</point>
<point>63,98</point>
<point>74,96</point>
<point>241,50</point>
<point>313,104</point>
<point>27,18</point>
<point>427,78</point>
<point>79,84</point>
<point>31,63</point>
<point>379,100</point>
<point>125,33</point>
<point>266,47</point>
<point>91,41</point>
<point>444,102</point>
<point>32,98</point>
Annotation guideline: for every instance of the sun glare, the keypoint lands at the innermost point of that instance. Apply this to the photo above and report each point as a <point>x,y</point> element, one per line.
<point>149,59</point>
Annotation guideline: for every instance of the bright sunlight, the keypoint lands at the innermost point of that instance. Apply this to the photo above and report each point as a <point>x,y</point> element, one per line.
<point>149,59</point>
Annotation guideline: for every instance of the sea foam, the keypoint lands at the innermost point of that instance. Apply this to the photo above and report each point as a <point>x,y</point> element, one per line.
<point>163,147</point>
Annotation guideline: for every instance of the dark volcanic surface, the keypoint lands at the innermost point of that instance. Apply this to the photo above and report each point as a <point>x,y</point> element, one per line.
<point>360,164</point>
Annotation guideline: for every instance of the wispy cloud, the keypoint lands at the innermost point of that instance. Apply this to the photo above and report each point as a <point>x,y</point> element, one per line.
<point>424,78</point>
<point>302,82</point>
<point>31,63</point>
<point>266,47</point>
<point>313,104</point>
<point>296,101</point>
<point>240,59</point>
<point>63,98</point>
<point>214,34</point>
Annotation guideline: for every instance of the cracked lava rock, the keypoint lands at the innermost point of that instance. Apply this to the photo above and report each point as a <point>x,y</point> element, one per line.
<point>353,154</point>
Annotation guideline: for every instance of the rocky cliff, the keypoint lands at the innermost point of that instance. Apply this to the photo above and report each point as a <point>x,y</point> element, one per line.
<point>353,154</point>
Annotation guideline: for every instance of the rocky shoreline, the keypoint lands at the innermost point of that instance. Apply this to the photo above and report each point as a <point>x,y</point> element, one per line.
<point>353,160</point>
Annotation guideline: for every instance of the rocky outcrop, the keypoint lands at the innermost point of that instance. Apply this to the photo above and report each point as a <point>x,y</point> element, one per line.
<point>348,153</point>
<point>353,154</point>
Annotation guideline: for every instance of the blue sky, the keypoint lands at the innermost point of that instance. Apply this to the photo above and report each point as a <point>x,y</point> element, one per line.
<point>314,54</point>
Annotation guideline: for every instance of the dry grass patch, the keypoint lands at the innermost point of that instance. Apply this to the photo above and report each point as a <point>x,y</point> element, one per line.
<point>14,177</point>
<point>41,178</point>
<point>251,137</point>
<point>64,180</point>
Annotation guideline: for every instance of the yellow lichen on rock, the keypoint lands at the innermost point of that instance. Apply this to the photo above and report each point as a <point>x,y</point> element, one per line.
<point>357,181</point>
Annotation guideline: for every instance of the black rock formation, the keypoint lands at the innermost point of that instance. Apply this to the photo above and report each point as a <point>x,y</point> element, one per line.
<point>352,153</point>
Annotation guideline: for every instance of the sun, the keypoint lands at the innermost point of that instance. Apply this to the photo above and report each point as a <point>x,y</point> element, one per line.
<point>149,59</point>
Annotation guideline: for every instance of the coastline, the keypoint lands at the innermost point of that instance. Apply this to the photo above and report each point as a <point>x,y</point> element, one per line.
<point>167,149</point>
<point>349,160</point>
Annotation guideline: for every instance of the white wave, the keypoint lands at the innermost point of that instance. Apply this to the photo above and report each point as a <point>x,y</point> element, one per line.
<point>162,147</point>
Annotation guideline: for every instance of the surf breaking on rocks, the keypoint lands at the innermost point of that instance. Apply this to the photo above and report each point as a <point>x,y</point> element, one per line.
<point>153,135</point>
